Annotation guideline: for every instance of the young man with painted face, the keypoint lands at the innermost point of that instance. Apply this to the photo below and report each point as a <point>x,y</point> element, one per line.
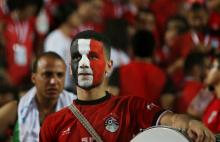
<point>115,119</point>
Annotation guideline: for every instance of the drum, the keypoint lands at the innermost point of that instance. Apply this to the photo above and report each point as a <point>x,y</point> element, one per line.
<point>160,134</point>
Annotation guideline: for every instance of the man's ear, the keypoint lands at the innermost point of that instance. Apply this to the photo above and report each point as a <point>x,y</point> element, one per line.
<point>33,78</point>
<point>109,66</point>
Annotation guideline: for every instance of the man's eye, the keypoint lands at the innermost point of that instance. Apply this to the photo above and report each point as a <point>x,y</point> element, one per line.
<point>60,74</point>
<point>93,57</point>
<point>76,58</point>
<point>47,74</point>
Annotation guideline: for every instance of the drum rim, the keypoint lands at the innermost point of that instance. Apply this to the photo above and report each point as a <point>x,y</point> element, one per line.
<point>167,127</point>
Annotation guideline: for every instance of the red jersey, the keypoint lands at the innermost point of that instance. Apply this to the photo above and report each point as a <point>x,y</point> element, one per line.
<point>183,46</point>
<point>163,9</point>
<point>187,42</point>
<point>3,9</point>
<point>211,117</point>
<point>140,79</point>
<point>214,21</point>
<point>115,119</point>
<point>19,48</point>
<point>112,9</point>
<point>188,93</point>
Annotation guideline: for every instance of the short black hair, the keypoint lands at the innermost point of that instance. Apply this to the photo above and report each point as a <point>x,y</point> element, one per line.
<point>182,25</point>
<point>115,29</point>
<point>90,34</point>
<point>143,43</point>
<point>63,12</point>
<point>196,6</point>
<point>146,11</point>
<point>49,54</point>
<point>20,4</point>
<point>193,59</point>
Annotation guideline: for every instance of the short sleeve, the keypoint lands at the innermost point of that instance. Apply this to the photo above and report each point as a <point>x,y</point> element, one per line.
<point>145,114</point>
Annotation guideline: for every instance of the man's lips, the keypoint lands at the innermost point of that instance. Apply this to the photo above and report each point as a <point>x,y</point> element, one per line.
<point>85,74</point>
<point>52,90</point>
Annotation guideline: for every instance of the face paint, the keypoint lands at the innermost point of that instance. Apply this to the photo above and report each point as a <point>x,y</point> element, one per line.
<point>88,62</point>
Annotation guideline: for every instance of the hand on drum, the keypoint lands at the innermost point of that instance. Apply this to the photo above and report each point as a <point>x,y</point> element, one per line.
<point>199,133</point>
<point>195,130</point>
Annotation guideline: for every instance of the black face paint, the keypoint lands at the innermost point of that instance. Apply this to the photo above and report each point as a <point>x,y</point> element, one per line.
<point>74,63</point>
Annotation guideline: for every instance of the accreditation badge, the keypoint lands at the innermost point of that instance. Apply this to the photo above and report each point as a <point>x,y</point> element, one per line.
<point>20,54</point>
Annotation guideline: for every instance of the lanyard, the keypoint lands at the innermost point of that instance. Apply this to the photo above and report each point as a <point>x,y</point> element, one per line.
<point>196,40</point>
<point>21,29</point>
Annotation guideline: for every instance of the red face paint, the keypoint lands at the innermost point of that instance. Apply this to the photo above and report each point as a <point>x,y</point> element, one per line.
<point>97,61</point>
<point>88,56</point>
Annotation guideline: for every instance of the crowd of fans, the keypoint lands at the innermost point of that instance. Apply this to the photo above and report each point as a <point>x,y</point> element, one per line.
<point>164,50</point>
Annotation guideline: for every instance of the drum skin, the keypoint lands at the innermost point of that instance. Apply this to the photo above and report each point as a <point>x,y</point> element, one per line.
<point>160,134</point>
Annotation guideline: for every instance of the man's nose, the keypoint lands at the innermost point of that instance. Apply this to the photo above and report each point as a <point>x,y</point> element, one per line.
<point>53,80</point>
<point>84,63</point>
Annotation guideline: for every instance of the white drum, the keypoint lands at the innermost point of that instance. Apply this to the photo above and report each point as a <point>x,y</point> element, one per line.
<point>160,134</point>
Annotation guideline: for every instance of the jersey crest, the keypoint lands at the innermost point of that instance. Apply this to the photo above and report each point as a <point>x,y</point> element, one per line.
<point>111,124</point>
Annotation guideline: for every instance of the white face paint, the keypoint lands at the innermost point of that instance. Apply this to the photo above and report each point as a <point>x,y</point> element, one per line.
<point>85,73</point>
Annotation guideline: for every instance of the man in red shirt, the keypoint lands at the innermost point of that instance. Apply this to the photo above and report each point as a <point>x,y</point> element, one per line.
<point>19,36</point>
<point>115,119</point>
<point>211,117</point>
<point>194,71</point>
<point>196,39</point>
<point>149,79</point>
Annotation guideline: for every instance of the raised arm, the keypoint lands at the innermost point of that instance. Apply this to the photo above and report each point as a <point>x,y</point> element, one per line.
<point>8,114</point>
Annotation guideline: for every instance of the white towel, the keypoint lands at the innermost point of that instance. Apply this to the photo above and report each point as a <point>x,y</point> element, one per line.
<point>28,115</point>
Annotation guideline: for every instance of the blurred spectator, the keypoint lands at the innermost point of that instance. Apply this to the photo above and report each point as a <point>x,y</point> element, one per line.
<point>3,12</point>
<point>214,21</point>
<point>90,11</point>
<point>67,19</point>
<point>146,20</point>
<point>3,8</point>
<point>175,26</point>
<point>140,77</point>
<point>46,97</point>
<point>213,5</point>
<point>115,29</point>
<point>164,56</point>
<point>113,9</point>
<point>163,9</point>
<point>168,96</point>
<point>196,39</point>
<point>7,94</point>
<point>211,117</point>
<point>131,9</point>
<point>194,71</point>
<point>19,34</point>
